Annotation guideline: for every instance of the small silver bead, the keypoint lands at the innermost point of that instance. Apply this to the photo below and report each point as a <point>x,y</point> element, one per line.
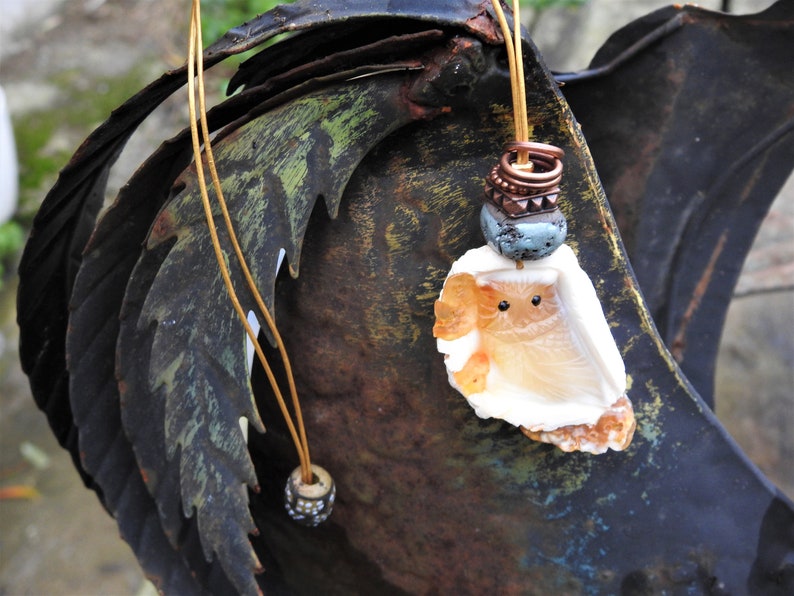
<point>310,504</point>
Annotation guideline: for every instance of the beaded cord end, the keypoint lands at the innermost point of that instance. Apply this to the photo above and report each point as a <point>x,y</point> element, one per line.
<point>520,218</point>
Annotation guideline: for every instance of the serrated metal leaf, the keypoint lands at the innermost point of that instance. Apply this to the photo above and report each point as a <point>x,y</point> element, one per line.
<point>178,310</point>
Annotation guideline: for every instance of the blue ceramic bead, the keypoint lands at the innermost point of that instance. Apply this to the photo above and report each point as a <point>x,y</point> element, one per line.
<point>525,238</point>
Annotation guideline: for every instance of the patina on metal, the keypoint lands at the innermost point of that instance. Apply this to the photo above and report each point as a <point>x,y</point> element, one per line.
<point>434,499</point>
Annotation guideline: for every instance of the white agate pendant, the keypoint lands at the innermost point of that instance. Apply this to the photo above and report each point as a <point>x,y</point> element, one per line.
<point>526,340</point>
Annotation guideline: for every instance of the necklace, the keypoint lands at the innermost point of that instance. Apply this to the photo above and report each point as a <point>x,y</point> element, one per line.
<point>521,328</point>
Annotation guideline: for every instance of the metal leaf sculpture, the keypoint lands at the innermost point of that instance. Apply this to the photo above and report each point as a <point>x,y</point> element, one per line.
<point>391,114</point>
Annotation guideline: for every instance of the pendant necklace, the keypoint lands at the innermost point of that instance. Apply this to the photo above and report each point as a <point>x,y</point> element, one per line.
<point>521,328</point>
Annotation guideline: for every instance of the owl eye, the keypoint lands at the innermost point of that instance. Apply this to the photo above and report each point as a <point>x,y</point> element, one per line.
<point>535,300</point>
<point>503,305</point>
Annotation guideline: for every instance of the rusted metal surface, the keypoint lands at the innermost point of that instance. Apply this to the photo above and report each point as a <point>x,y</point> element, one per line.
<point>430,498</point>
<point>435,493</point>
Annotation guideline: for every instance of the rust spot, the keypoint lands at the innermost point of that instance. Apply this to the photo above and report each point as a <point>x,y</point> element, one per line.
<point>162,229</point>
<point>463,44</point>
<point>484,26</point>
<point>629,186</point>
<point>420,112</point>
<point>679,343</point>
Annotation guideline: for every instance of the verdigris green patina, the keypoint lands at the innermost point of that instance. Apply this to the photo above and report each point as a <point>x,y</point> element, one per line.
<point>360,148</point>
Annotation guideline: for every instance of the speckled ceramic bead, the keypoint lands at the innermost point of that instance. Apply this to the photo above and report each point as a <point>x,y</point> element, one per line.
<point>310,504</point>
<point>525,238</point>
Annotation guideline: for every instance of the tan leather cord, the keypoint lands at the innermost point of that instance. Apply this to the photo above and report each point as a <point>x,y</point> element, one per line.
<point>296,429</point>
<point>515,61</point>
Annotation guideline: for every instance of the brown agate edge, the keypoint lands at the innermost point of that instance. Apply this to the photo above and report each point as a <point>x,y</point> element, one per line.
<point>613,430</point>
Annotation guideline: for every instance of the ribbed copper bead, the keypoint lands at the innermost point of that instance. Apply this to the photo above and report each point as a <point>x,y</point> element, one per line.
<point>520,191</point>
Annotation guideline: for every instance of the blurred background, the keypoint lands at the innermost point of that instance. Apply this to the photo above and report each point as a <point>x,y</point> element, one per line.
<point>65,64</point>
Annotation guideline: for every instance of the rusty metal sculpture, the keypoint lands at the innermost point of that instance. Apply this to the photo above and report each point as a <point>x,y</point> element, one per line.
<point>391,114</point>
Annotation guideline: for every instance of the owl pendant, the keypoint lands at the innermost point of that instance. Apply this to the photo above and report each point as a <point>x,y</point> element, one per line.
<point>531,346</point>
<point>523,333</point>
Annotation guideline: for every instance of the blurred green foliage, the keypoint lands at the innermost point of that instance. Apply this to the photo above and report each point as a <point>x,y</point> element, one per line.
<point>12,236</point>
<point>218,16</point>
<point>45,139</point>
